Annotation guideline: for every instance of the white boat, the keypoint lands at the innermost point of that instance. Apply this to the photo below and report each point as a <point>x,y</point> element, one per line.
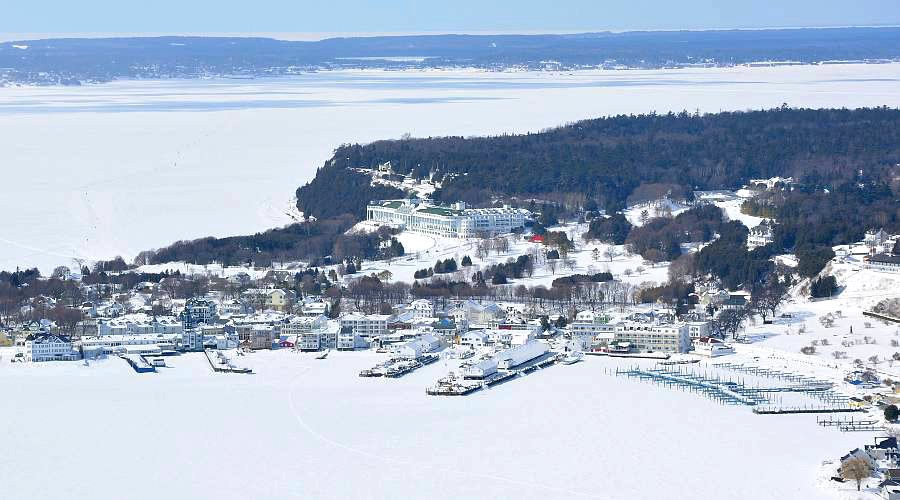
<point>706,346</point>
<point>573,357</point>
<point>324,354</point>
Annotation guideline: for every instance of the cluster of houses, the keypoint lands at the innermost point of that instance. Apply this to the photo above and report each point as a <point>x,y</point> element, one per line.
<point>882,247</point>
<point>209,322</point>
<point>882,459</point>
<point>877,251</point>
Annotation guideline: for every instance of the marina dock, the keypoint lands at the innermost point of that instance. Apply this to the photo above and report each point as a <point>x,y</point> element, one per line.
<point>221,364</point>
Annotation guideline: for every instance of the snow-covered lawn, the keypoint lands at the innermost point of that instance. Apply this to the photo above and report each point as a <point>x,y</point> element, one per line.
<point>301,427</point>
<point>422,251</point>
<point>848,333</point>
<point>732,209</point>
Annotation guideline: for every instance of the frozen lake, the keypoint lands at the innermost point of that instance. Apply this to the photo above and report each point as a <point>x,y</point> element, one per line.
<point>98,171</point>
<point>304,428</point>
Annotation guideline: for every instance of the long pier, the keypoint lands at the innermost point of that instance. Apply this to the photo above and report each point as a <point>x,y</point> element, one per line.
<point>816,388</point>
<point>723,391</point>
<point>799,409</point>
<point>851,424</point>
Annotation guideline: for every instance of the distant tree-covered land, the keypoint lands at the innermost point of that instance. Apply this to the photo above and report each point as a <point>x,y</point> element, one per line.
<point>601,162</point>
<point>91,60</point>
<point>310,241</point>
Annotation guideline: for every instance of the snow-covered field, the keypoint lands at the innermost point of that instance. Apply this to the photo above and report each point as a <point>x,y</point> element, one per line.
<point>422,251</point>
<point>848,334</point>
<point>306,428</point>
<point>118,168</point>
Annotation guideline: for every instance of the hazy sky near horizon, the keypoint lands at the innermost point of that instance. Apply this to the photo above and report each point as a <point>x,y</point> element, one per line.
<point>385,16</point>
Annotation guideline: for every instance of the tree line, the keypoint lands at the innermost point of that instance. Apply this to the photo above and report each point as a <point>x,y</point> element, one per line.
<point>606,160</point>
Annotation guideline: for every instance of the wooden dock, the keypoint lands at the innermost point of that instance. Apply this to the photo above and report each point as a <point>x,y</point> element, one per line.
<point>648,355</point>
<point>797,410</point>
<point>226,366</point>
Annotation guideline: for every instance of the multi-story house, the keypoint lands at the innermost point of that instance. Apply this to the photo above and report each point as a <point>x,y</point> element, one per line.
<point>197,312</point>
<point>274,299</point>
<point>366,326</point>
<point>762,234</point>
<point>49,347</point>
<point>421,309</point>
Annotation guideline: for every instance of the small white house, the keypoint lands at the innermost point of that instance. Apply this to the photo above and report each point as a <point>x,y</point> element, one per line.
<point>413,349</point>
<point>474,338</point>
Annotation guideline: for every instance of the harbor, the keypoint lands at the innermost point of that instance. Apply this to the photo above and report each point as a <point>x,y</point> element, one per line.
<point>495,370</point>
<point>791,393</point>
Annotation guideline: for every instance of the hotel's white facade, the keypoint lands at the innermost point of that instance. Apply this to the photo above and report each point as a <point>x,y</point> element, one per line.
<point>455,221</point>
<point>657,337</point>
<point>48,347</point>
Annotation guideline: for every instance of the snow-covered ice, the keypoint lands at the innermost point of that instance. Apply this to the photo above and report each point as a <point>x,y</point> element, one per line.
<point>301,427</point>
<point>101,170</point>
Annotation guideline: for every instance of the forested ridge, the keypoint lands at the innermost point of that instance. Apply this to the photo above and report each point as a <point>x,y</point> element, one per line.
<point>603,161</point>
<point>845,165</point>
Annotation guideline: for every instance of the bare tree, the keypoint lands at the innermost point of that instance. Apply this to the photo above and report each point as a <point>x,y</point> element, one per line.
<point>551,263</point>
<point>856,469</point>
<point>682,268</point>
<point>766,299</point>
<point>61,273</point>
<point>609,253</point>
<point>730,321</point>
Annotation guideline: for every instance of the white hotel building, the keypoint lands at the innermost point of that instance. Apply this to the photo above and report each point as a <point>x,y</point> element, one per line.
<point>454,221</point>
<point>656,337</point>
<point>48,347</point>
<point>653,336</point>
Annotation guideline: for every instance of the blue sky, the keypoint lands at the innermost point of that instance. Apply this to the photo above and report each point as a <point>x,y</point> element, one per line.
<point>384,16</point>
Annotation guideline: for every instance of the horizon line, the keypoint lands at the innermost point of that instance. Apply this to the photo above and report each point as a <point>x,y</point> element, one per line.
<point>313,36</point>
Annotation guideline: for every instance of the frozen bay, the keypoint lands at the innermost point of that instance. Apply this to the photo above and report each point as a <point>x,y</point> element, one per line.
<point>113,169</point>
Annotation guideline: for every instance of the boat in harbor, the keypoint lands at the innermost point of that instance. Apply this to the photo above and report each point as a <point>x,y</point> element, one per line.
<point>573,357</point>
